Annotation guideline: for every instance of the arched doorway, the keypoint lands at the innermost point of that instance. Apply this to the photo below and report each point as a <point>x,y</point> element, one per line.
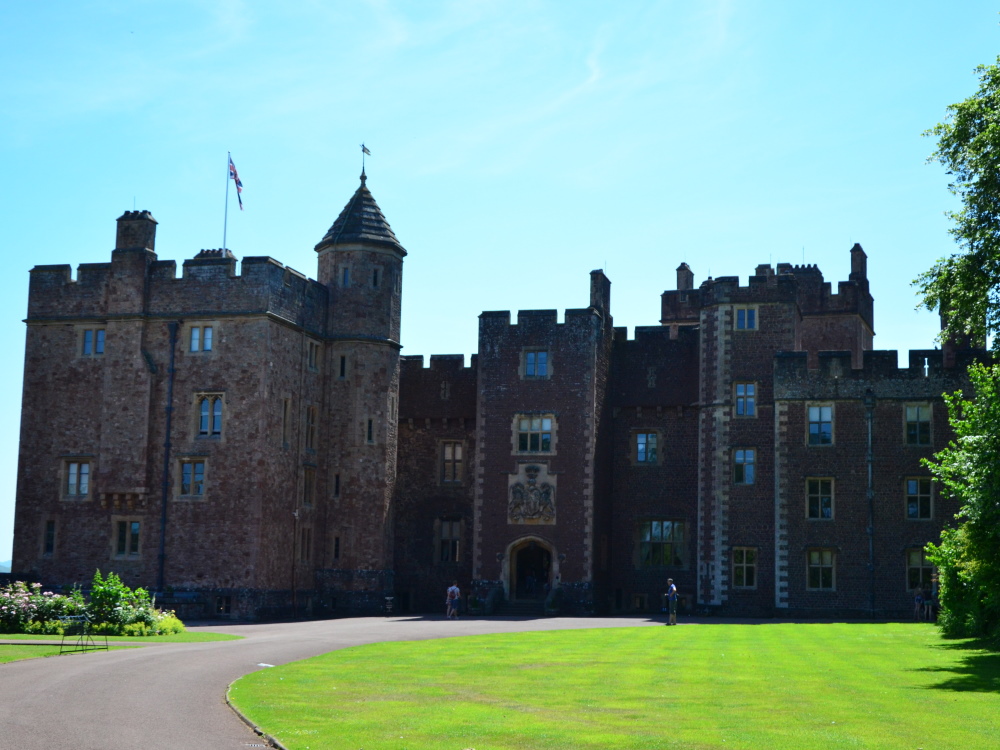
<point>531,572</point>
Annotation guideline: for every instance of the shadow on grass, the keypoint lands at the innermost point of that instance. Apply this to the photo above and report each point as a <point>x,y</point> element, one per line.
<point>978,672</point>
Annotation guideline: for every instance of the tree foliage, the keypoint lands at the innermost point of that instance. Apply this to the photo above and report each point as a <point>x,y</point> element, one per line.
<point>966,287</point>
<point>968,557</point>
<point>967,284</point>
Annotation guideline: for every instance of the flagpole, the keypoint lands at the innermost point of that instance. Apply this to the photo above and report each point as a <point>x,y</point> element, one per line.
<point>225,221</point>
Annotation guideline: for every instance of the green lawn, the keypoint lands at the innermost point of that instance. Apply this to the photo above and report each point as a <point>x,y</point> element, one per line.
<point>10,652</point>
<point>694,686</point>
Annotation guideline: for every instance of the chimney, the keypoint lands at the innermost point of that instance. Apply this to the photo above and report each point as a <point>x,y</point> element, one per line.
<point>685,277</point>
<point>136,231</point>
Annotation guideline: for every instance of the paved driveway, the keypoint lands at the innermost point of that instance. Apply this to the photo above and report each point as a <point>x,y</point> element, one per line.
<point>172,696</point>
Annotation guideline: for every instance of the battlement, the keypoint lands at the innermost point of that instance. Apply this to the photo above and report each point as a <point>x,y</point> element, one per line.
<point>653,369</point>
<point>135,282</point>
<point>925,376</point>
<point>438,363</point>
<point>802,285</point>
<point>446,389</point>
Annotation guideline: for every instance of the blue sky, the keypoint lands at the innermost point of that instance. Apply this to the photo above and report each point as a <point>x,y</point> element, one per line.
<point>515,146</point>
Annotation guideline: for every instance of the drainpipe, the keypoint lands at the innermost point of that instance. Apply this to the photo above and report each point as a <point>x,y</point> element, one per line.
<point>870,419</point>
<point>173,327</point>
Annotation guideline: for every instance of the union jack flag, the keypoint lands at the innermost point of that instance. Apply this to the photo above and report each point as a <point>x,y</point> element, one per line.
<point>236,178</point>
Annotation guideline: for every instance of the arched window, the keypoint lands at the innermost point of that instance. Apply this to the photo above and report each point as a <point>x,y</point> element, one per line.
<point>210,415</point>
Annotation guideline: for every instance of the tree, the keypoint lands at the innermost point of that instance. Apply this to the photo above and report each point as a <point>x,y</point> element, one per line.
<point>966,288</point>
<point>968,557</point>
<point>966,285</point>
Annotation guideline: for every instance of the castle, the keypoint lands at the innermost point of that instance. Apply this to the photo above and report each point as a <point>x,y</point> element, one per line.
<point>250,442</point>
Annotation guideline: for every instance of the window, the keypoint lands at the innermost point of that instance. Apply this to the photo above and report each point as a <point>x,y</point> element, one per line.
<point>343,368</point>
<point>210,415</point>
<point>346,277</point>
<point>746,400</point>
<point>312,355</point>
<point>645,447</point>
<point>745,567</point>
<point>93,342</point>
<point>127,538</point>
<point>821,569</point>
<point>311,413</point>
<point>919,571</point>
<point>49,538</point>
<point>451,462</point>
<point>336,548</point>
<point>743,465</point>
<point>661,543</point>
<point>375,278</point>
<point>336,485</point>
<point>286,408</point>
<point>918,425</point>
<point>201,339</point>
<point>746,318</point>
<point>534,434</point>
<point>536,364</point>
<point>371,431</point>
<point>308,486</point>
<point>77,479</point>
<point>820,425</point>
<point>819,503</point>
<point>305,544</point>
<point>451,532</point>
<point>918,498</point>
<point>193,477</point>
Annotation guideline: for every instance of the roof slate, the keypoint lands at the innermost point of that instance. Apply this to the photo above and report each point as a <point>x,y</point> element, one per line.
<point>361,222</point>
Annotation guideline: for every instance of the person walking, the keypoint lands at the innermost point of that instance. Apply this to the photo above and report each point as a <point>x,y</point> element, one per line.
<point>452,601</point>
<point>672,601</point>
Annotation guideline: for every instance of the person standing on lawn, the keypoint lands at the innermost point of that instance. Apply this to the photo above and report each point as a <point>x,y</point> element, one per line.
<point>672,601</point>
<point>451,601</point>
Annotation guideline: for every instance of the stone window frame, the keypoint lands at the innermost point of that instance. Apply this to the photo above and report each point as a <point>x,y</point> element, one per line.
<point>819,495</point>
<point>68,474</point>
<point>741,475</point>
<point>531,363</point>
<point>516,433</point>
<point>201,327</point>
<point>305,544</point>
<point>818,560</point>
<point>651,551</point>
<point>126,537</point>
<point>286,421</point>
<point>448,540</point>
<point>818,443</point>
<point>377,276</point>
<point>94,345</point>
<point>751,314</point>
<point>742,400</point>
<point>313,354</point>
<point>452,470</point>
<point>925,570</point>
<point>918,423</point>
<point>740,563</point>
<point>309,485</point>
<point>634,443</point>
<point>216,417</point>
<point>310,423</point>
<point>191,460</point>
<point>344,275</point>
<point>50,537</point>
<point>917,497</point>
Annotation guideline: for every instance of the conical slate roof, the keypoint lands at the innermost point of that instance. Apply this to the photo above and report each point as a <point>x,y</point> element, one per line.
<point>361,222</point>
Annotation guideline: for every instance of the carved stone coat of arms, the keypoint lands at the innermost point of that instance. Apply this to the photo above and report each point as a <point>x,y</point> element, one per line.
<point>532,498</point>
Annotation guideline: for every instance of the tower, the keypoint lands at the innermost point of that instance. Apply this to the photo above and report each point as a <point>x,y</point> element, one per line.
<point>361,264</point>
